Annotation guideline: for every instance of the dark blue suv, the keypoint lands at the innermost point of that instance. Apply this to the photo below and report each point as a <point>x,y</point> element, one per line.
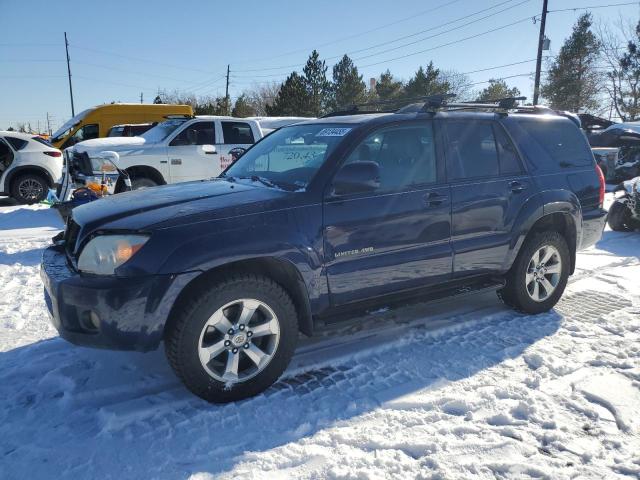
<point>321,218</point>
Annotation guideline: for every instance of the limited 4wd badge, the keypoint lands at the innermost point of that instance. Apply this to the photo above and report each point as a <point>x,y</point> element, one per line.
<point>333,132</point>
<point>357,251</point>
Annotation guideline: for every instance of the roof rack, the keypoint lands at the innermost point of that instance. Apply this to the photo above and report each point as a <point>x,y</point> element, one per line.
<point>356,109</point>
<point>434,103</point>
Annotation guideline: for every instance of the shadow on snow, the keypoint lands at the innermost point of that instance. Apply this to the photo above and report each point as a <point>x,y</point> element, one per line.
<point>70,410</point>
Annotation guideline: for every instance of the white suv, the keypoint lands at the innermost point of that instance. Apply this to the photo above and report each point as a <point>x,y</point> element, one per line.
<point>177,150</point>
<point>29,166</point>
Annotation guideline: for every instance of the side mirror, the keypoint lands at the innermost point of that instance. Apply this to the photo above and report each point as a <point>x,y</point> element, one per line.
<point>236,153</point>
<point>209,149</point>
<point>357,177</point>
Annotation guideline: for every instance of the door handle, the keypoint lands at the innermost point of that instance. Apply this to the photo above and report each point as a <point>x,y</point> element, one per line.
<point>517,187</point>
<point>176,161</point>
<point>434,199</point>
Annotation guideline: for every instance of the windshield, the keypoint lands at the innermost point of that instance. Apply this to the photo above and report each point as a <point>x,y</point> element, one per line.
<point>162,130</point>
<point>289,157</point>
<point>64,130</point>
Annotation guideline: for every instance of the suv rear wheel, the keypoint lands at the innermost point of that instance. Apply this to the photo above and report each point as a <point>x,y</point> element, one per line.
<point>539,275</point>
<point>29,188</point>
<point>233,340</point>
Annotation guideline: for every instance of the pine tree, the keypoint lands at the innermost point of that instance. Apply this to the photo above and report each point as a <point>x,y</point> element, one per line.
<point>426,82</point>
<point>387,88</point>
<point>292,99</point>
<point>348,87</point>
<point>242,108</point>
<point>496,89</point>
<point>318,87</point>
<point>572,83</point>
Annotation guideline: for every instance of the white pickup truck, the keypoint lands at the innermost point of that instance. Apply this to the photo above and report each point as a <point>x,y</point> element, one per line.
<point>177,150</point>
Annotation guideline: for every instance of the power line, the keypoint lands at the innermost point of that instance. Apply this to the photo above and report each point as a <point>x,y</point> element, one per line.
<point>332,42</point>
<point>502,27</point>
<point>593,7</point>
<point>138,59</point>
<point>407,36</point>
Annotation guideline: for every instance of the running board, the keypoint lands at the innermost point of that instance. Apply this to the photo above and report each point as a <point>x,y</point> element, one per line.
<point>424,295</point>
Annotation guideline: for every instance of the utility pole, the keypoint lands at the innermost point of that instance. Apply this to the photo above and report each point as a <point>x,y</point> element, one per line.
<point>141,97</point>
<point>226,93</point>
<point>66,46</point>
<point>48,124</point>
<point>543,21</point>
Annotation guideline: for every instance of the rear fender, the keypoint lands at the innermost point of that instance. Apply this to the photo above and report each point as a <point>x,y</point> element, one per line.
<point>539,208</point>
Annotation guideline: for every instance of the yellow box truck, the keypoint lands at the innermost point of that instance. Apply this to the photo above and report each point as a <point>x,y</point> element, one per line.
<point>97,121</point>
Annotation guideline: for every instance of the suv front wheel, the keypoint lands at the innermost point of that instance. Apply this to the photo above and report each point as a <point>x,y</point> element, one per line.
<point>539,275</point>
<point>234,339</point>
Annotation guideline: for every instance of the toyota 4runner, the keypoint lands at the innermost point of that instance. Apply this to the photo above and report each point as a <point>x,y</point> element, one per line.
<point>323,217</point>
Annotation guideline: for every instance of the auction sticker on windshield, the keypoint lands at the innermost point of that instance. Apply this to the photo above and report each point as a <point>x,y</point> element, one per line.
<point>333,132</point>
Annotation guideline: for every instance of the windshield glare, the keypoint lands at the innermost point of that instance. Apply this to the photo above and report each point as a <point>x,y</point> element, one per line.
<point>289,157</point>
<point>64,130</point>
<point>162,130</point>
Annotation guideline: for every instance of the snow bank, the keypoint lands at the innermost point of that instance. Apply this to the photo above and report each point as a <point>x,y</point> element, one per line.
<point>454,390</point>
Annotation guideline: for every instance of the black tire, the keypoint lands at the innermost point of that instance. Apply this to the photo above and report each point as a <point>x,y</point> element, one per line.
<point>140,183</point>
<point>619,217</point>
<point>29,188</point>
<point>183,336</point>
<point>515,293</point>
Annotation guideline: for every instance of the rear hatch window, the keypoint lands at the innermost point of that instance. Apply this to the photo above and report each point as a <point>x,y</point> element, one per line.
<point>554,144</point>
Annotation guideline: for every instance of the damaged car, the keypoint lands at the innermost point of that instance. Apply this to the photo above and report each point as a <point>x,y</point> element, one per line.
<point>624,213</point>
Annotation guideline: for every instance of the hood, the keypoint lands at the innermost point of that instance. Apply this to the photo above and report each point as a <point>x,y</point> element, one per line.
<point>109,143</point>
<point>177,204</point>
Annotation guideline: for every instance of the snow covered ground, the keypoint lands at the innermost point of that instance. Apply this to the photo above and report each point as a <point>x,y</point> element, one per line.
<point>455,390</point>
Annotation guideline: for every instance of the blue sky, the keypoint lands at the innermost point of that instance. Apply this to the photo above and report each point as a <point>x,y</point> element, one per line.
<point>119,49</point>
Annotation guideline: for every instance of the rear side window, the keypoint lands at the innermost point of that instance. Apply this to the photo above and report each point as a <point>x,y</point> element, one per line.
<point>471,150</point>
<point>235,133</point>
<point>507,155</point>
<point>16,143</point>
<point>556,143</point>
<point>42,141</point>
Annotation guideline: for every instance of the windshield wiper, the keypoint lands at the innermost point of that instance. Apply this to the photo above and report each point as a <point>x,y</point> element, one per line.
<point>265,181</point>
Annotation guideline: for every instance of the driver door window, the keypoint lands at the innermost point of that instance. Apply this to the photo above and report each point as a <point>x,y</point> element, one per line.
<point>187,159</point>
<point>406,156</point>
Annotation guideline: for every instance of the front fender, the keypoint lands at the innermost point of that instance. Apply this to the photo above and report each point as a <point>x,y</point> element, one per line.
<point>292,235</point>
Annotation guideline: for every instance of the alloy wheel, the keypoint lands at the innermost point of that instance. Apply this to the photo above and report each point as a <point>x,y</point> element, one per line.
<point>30,189</point>
<point>543,273</point>
<point>239,340</point>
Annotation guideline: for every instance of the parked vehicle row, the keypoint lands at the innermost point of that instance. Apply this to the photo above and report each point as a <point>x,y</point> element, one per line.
<point>180,149</point>
<point>319,219</point>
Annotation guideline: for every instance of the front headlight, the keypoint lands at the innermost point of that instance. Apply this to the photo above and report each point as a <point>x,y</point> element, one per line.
<point>104,253</point>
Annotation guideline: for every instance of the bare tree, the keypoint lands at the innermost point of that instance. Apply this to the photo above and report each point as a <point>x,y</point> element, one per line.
<point>459,84</point>
<point>620,59</point>
<point>258,96</point>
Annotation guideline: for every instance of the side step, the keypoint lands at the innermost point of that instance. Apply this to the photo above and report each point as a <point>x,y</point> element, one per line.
<point>423,295</point>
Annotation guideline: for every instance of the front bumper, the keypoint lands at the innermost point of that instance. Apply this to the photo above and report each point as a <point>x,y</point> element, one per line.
<point>104,311</point>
